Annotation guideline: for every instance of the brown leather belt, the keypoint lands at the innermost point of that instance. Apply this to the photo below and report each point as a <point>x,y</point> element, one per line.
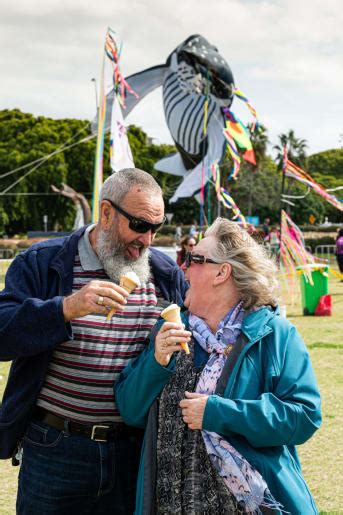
<point>97,432</point>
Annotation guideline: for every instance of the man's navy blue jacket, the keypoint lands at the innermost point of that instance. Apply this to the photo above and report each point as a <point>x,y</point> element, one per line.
<point>32,322</point>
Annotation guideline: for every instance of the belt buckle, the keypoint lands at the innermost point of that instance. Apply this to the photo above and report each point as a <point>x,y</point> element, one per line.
<point>93,435</point>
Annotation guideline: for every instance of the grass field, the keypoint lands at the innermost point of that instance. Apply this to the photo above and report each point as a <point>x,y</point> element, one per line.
<point>322,456</point>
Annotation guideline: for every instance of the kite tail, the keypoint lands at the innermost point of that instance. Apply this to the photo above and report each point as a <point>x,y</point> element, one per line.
<point>239,94</point>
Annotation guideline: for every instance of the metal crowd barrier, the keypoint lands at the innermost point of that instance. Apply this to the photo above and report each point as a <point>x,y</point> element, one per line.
<point>6,253</point>
<point>327,250</point>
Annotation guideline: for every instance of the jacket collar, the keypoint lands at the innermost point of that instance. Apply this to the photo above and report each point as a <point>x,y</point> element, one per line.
<point>63,261</point>
<point>256,322</point>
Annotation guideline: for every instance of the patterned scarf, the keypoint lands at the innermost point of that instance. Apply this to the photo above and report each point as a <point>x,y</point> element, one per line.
<point>242,480</point>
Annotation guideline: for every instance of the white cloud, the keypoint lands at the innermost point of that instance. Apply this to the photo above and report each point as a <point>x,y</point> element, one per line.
<point>285,54</point>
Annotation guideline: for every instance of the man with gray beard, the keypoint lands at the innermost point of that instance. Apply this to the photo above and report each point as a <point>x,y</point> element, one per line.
<point>58,416</point>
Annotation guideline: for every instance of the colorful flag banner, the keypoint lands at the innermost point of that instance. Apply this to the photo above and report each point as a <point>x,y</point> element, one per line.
<point>216,178</point>
<point>229,203</point>
<point>231,146</point>
<point>237,134</point>
<point>119,83</point>
<point>294,257</point>
<point>120,151</point>
<point>293,251</point>
<point>295,172</point>
<point>240,134</point>
<point>239,94</point>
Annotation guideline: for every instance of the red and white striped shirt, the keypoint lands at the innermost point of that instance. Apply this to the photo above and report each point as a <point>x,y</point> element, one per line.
<point>82,372</point>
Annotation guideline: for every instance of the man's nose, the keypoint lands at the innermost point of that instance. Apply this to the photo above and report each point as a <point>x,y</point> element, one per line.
<point>146,238</point>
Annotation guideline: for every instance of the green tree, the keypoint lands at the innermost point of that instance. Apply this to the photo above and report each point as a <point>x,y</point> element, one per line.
<point>296,152</point>
<point>25,139</point>
<point>327,165</point>
<point>265,191</point>
<point>327,169</point>
<point>259,140</point>
<point>296,149</point>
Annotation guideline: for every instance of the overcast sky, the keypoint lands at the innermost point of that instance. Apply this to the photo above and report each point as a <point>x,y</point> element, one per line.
<point>285,55</point>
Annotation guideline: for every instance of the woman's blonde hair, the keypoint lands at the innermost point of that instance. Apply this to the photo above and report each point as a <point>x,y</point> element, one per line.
<point>253,272</point>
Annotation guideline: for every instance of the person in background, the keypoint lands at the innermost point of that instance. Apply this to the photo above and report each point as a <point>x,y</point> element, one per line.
<point>339,251</point>
<point>193,231</point>
<point>178,233</point>
<point>222,422</point>
<point>266,228</point>
<point>273,239</point>
<point>78,456</point>
<point>187,245</point>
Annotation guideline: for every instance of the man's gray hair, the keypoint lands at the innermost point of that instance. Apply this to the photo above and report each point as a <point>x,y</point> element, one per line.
<point>253,271</point>
<point>120,183</point>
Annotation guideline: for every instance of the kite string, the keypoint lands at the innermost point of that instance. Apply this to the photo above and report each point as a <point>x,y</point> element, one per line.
<point>47,156</point>
<point>98,166</point>
<point>43,160</point>
<point>204,131</point>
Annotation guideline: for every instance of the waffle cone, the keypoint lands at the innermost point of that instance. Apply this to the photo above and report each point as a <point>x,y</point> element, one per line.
<point>172,314</point>
<point>129,285</point>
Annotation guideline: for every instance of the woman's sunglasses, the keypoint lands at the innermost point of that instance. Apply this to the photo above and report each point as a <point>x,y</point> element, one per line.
<point>137,224</point>
<point>196,258</point>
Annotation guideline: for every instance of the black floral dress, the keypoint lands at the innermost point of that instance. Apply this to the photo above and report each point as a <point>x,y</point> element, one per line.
<point>187,483</point>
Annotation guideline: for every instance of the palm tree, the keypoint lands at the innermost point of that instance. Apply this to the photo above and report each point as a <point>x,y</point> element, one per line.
<point>296,149</point>
<point>259,140</point>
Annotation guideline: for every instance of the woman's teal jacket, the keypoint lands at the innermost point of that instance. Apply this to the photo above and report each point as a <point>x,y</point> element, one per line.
<point>271,403</point>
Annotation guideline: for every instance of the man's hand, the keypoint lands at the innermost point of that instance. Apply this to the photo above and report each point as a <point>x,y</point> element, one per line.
<point>193,408</point>
<point>86,300</point>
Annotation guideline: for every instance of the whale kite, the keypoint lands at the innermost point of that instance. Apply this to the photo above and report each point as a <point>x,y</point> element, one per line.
<point>198,89</point>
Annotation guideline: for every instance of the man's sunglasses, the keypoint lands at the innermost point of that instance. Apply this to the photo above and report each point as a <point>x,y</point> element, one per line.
<point>137,224</point>
<point>196,258</point>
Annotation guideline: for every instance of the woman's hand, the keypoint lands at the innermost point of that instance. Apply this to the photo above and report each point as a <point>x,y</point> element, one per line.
<point>193,409</point>
<point>168,340</point>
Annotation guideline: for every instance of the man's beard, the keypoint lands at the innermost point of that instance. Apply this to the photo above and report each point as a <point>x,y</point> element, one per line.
<point>111,255</point>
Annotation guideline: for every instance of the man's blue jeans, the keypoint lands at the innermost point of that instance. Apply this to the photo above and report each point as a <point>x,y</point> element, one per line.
<point>64,474</point>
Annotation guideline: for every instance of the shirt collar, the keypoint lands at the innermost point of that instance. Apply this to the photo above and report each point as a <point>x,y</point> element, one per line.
<point>88,258</point>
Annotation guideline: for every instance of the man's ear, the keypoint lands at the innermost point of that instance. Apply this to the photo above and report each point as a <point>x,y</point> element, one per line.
<point>105,214</point>
<point>223,274</point>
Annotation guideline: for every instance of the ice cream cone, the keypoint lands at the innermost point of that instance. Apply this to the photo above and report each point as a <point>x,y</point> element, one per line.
<point>129,282</point>
<point>172,314</point>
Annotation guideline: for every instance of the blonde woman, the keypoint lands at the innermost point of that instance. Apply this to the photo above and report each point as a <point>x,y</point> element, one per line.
<point>222,422</point>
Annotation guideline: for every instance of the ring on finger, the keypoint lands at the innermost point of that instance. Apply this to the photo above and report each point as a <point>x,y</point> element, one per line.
<point>100,300</point>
